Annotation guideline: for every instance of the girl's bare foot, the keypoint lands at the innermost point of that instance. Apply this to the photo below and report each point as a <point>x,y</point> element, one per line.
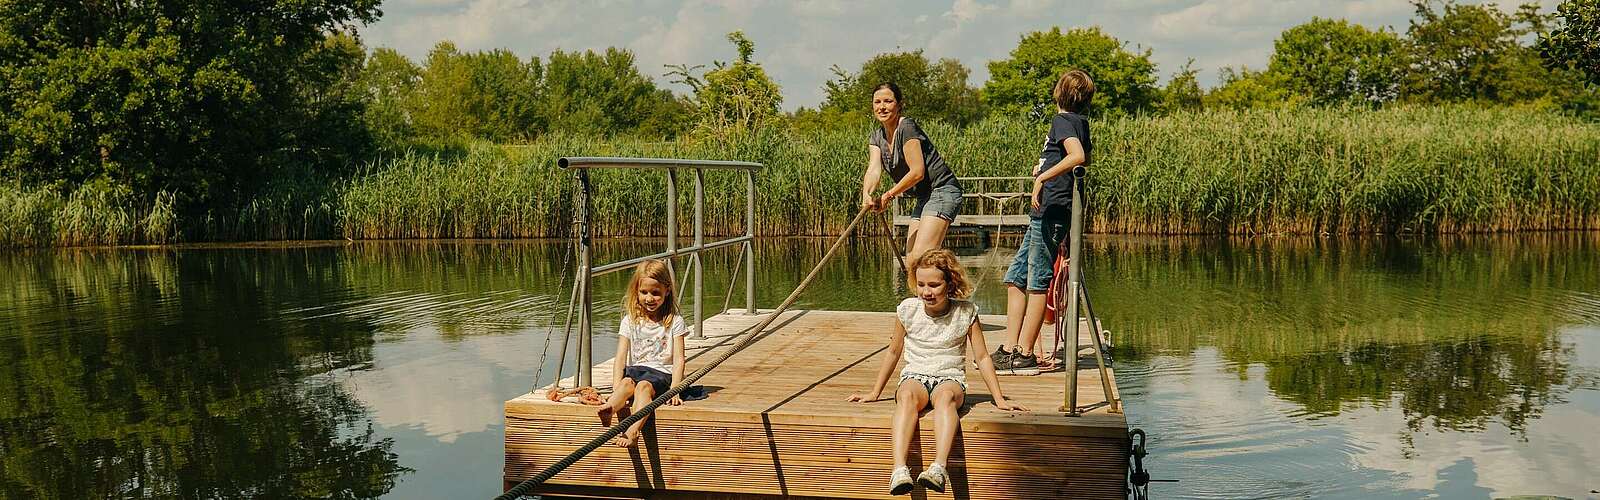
<point>625,440</point>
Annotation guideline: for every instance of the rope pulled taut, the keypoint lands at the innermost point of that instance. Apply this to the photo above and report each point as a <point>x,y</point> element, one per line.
<point>755,333</point>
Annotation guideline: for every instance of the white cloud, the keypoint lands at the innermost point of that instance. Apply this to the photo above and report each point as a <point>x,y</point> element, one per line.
<point>968,10</point>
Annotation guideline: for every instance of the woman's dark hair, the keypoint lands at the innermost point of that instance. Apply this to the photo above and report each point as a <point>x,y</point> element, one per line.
<point>893,89</point>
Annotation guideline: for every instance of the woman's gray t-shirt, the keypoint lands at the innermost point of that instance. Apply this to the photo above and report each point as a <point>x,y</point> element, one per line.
<point>936,172</point>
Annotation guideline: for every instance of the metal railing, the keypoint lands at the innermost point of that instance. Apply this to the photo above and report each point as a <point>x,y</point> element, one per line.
<point>587,270</point>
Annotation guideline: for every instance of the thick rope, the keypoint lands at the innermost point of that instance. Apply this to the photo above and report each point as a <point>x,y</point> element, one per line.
<point>549,472</point>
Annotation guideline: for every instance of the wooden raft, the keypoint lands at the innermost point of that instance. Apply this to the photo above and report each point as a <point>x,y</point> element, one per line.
<point>777,426</point>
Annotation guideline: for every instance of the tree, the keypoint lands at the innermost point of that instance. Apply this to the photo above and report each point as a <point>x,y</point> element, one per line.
<point>1245,89</point>
<point>1576,44</point>
<point>738,95</point>
<point>1462,52</point>
<point>1182,93</point>
<point>489,95</point>
<point>1335,61</point>
<point>1124,81</point>
<point>589,92</point>
<point>668,117</point>
<point>933,90</point>
<point>205,99</point>
<point>390,81</point>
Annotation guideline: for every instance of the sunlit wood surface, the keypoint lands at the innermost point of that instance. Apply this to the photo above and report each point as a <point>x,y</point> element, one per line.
<point>777,425</point>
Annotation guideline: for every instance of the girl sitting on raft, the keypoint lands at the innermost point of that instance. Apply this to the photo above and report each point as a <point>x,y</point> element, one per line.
<point>649,347</point>
<point>932,330</point>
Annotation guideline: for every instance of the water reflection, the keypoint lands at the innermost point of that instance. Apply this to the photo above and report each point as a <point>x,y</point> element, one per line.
<point>1473,339</point>
<point>140,374</point>
<point>1264,368</point>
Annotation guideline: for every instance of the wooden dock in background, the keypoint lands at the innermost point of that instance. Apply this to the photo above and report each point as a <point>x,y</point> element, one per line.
<point>999,204</point>
<point>777,425</point>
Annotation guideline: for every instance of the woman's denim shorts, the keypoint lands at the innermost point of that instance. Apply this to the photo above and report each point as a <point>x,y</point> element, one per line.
<point>943,201</point>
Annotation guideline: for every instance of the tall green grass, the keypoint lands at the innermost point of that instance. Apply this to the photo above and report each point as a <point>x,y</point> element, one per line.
<point>96,213</point>
<point>100,213</point>
<point>1403,169</point>
<point>1445,169</point>
<point>1430,169</point>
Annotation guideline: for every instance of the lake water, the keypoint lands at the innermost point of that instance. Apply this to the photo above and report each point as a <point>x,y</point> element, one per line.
<point>1461,367</point>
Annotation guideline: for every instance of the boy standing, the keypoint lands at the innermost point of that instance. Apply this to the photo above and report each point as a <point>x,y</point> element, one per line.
<point>1066,146</point>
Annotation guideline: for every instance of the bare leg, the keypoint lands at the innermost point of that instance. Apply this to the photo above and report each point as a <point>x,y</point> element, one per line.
<point>911,241</point>
<point>642,394</point>
<point>1031,322</point>
<point>909,401</point>
<point>928,235</point>
<point>619,400</point>
<point>1016,303</point>
<point>947,398</point>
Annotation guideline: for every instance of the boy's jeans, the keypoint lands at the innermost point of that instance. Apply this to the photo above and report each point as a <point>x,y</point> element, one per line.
<point>1034,266</point>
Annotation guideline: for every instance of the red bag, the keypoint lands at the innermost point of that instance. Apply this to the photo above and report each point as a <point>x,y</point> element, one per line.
<point>1054,294</point>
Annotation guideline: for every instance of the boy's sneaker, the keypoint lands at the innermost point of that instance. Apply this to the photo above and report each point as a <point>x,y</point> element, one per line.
<point>1024,364</point>
<point>1001,358</point>
<point>933,478</point>
<point>900,481</point>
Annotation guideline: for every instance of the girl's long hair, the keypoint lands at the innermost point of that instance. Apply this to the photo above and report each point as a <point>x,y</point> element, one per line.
<point>955,277</point>
<point>658,270</point>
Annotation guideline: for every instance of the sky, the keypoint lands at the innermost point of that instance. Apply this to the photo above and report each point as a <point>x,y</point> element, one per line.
<point>799,41</point>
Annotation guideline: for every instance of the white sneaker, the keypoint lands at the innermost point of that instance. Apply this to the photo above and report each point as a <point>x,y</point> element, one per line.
<point>900,481</point>
<point>933,478</point>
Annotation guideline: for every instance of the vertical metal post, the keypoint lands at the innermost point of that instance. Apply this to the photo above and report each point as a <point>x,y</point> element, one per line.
<point>749,246</point>
<point>1099,349</point>
<point>699,239</point>
<point>1074,263</point>
<point>672,225</point>
<point>585,334</point>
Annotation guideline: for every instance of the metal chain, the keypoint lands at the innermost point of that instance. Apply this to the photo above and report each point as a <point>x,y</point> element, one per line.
<point>544,352</point>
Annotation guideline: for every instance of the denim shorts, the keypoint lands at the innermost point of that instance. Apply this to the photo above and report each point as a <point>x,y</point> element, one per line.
<point>1034,266</point>
<point>930,382</point>
<point>661,381</point>
<point>943,201</point>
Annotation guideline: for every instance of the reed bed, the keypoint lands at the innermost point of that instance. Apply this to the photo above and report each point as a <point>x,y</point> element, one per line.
<point>1405,169</point>
<point>94,214</point>
<point>1440,169</point>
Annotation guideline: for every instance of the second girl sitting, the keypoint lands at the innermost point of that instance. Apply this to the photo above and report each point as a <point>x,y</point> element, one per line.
<point>932,330</point>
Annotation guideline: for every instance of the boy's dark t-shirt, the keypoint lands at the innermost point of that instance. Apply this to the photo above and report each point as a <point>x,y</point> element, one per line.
<point>1055,200</point>
<point>935,172</point>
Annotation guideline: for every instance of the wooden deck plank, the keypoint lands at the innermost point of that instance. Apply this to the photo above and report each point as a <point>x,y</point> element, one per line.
<point>778,421</point>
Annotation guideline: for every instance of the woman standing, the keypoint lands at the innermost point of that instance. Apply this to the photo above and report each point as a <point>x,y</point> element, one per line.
<point>900,148</point>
